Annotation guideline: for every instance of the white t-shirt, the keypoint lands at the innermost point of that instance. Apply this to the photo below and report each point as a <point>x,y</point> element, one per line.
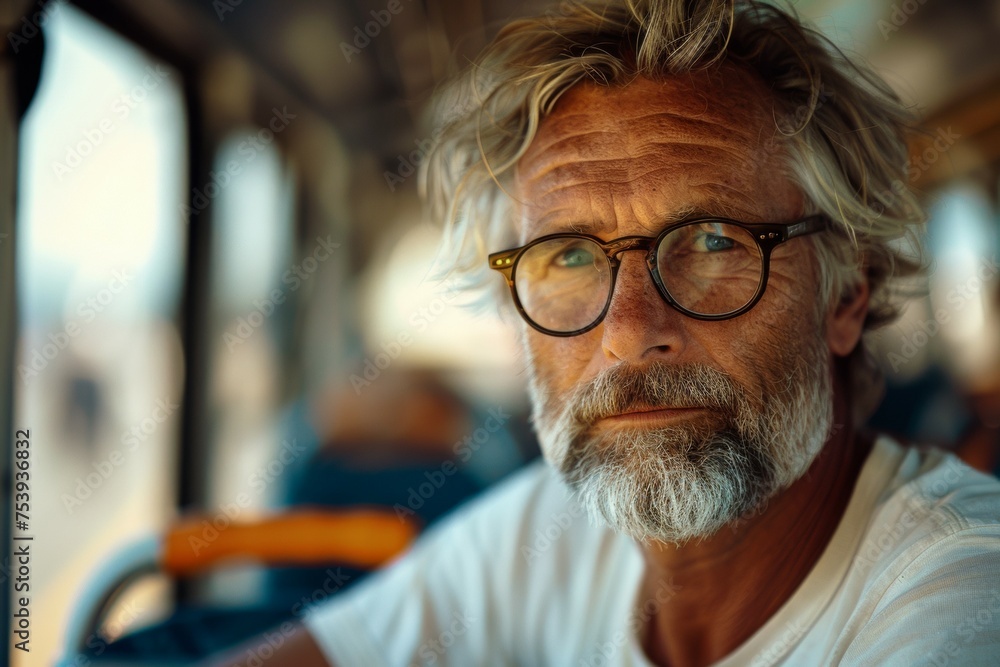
<point>521,576</point>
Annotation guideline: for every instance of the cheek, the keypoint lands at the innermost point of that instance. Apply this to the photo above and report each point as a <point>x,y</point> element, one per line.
<point>558,363</point>
<point>758,348</point>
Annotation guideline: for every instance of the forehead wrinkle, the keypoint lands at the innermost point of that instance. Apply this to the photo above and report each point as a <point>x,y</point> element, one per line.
<point>703,92</point>
<point>718,197</point>
<point>667,122</point>
<point>683,153</point>
<point>559,142</point>
<point>566,176</point>
<point>636,155</point>
<point>737,156</point>
<point>684,99</point>
<point>701,129</point>
<point>725,138</point>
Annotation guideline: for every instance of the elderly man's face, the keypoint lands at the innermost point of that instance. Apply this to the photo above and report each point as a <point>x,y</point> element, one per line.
<point>670,426</point>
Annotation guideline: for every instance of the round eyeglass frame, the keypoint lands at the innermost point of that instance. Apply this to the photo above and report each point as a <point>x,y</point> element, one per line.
<point>767,236</point>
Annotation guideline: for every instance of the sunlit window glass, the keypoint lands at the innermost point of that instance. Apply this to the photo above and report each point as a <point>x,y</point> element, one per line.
<point>100,266</point>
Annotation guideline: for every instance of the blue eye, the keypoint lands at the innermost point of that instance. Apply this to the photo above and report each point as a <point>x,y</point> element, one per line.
<point>574,257</point>
<point>715,243</point>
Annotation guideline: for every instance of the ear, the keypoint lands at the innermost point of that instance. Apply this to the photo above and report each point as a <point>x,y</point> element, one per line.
<point>845,323</point>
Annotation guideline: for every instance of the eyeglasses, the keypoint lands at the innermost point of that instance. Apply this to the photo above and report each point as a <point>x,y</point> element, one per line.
<point>707,268</point>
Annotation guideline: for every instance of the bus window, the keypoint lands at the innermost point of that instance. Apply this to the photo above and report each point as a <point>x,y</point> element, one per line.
<point>252,313</point>
<point>100,265</point>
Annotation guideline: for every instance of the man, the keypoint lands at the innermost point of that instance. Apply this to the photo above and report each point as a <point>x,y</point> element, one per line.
<point>704,204</point>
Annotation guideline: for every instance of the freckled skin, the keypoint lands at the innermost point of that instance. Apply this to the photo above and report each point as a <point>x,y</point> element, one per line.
<point>618,161</point>
<point>621,159</point>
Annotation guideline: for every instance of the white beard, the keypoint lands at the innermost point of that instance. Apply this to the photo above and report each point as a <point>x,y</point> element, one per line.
<point>688,480</point>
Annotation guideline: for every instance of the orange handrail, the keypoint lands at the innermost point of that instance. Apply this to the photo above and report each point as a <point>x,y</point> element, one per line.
<point>364,538</point>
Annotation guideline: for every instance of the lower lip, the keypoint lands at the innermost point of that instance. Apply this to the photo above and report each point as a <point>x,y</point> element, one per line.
<point>653,416</point>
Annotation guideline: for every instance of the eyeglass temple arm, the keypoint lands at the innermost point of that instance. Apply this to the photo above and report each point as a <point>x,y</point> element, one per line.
<point>809,225</point>
<point>503,262</point>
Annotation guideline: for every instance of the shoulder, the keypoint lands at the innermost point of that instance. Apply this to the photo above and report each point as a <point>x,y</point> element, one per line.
<point>947,516</point>
<point>927,494</point>
<point>527,542</point>
<point>508,515</point>
<point>930,560</point>
<point>943,524</point>
<point>931,497</point>
<point>533,509</point>
<point>485,578</point>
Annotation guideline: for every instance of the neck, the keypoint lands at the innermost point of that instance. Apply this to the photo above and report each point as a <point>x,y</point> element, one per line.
<point>725,587</point>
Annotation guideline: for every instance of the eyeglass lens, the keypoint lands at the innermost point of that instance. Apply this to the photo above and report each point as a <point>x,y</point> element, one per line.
<point>708,268</point>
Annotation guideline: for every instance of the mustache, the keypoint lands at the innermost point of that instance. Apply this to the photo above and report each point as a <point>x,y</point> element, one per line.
<point>625,388</point>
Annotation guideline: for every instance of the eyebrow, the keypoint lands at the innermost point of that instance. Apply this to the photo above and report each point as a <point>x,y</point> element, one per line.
<point>657,225</point>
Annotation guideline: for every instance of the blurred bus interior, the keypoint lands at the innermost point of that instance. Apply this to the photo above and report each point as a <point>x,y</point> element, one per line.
<point>220,295</point>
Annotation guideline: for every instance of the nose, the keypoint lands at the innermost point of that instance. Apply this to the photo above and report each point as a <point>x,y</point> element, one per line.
<point>640,326</point>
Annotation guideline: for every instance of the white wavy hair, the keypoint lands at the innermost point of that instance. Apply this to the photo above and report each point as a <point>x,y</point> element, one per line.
<point>841,129</point>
